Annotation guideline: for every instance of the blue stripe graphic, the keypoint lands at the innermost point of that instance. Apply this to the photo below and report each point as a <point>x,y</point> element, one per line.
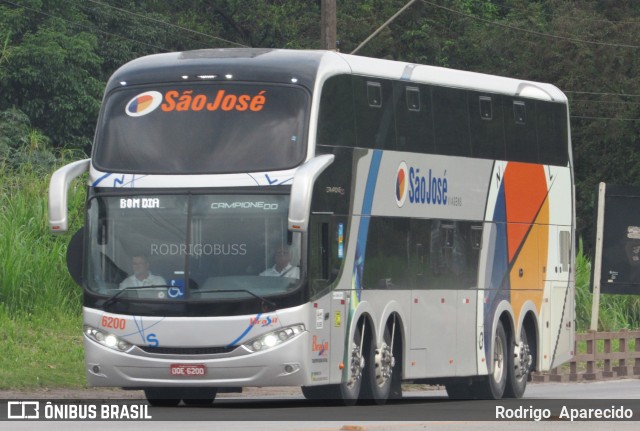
<point>99,180</point>
<point>363,231</point>
<point>371,182</point>
<point>246,331</point>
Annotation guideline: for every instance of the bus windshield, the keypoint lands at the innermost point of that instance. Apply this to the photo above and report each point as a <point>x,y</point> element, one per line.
<point>191,247</point>
<point>202,128</point>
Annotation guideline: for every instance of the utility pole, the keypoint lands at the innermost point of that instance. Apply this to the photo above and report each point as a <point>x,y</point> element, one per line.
<point>375,33</point>
<point>328,23</point>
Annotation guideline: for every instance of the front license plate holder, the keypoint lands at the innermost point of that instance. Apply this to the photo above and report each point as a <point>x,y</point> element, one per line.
<point>188,370</point>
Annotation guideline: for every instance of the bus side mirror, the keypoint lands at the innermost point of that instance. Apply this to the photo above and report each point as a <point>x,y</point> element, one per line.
<point>58,191</point>
<point>302,191</point>
<point>75,256</point>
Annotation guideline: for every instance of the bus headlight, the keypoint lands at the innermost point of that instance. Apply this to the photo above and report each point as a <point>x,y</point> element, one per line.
<point>274,338</point>
<point>106,339</point>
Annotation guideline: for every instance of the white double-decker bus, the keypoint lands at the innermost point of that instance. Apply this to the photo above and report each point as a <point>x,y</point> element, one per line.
<point>260,217</point>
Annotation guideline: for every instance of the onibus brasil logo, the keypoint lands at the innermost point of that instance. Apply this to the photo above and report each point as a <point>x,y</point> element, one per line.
<point>420,187</point>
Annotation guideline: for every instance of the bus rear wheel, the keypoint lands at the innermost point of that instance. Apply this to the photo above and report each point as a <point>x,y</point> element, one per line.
<point>381,369</point>
<point>520,366</point>
<point>492,387</point>
<point>460,391</point>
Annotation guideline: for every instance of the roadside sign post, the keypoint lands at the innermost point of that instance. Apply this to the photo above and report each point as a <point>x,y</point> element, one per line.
<point>597,265</point>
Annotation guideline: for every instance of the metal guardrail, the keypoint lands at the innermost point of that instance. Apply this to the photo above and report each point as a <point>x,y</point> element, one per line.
<point>607,355</point>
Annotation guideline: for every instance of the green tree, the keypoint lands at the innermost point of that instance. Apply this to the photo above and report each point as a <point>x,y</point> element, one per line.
<point>269,24</point>
<point>21,145</point>
<point>52,74</point>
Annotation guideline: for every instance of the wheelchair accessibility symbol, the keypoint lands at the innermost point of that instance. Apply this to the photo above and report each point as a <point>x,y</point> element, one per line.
<point>175,292</point>
<point>177,289</point>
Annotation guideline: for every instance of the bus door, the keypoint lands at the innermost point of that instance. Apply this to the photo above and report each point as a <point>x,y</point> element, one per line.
<point>562,299</point>
<point>329,305</point>
<point>557,308</point>
<point>469,239</point>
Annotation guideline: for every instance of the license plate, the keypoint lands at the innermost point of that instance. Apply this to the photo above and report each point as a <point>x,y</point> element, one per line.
<point>188,370</point>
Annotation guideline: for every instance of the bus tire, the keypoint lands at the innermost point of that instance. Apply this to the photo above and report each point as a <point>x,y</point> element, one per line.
<point>351,388</point>
<point>163,397</point>
<point>492,387</point>
<point>199,396</point>
<point>520,366</point>
<point>381,369</point>
<point>396,377</point>
<point>322,392</point>
<point>459,391</point>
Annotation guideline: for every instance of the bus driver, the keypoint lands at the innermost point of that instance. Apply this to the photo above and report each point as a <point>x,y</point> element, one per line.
<point>282,267</point>
<point>141,274</point>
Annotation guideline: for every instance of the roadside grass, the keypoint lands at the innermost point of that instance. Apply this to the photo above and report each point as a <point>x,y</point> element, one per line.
<point>33,272</point>
<point>41,350</point>
<point>40,306</point>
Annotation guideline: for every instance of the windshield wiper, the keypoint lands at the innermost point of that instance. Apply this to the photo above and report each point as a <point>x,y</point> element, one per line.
<point>255,295</point>
<point>114,298</point>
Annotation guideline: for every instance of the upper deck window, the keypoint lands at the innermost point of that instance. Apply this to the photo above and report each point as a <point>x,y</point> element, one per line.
<point>374,94</point>
<point>202,129</point>
<point>519,112</point>
<point>413,99</point>
<point>486,108</point>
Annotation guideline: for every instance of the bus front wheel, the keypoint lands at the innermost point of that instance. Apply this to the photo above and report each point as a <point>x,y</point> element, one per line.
<point>324,392</point>
<point>350,389</point>
<point>163,397</point>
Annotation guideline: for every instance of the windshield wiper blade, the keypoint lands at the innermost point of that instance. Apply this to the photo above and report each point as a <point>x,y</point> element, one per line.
<point>255,295</point>
<point>114,298</point>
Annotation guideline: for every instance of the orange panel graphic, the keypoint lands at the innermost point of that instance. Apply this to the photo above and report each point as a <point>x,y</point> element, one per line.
<point>527,208</point>
<point>525,192</point>
<point>527,274</point>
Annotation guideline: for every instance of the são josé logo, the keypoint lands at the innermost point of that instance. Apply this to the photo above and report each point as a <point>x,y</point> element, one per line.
<point>143,104</point>
<point>420,188</point>
<point>401,184</point>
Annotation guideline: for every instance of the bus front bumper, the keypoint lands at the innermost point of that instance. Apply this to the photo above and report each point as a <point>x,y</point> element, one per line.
<point>282,365</point>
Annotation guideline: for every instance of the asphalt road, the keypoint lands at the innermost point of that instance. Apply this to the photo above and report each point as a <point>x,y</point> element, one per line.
<point>418,410</point>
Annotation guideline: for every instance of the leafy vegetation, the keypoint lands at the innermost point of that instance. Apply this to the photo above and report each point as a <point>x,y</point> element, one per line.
<point>40,306</point>
<point>33,262</point>
<point>616,311</point>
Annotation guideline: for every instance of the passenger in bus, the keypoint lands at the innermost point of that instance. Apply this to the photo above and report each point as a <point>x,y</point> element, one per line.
<point>282,267</point>
<point>141,274</point>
